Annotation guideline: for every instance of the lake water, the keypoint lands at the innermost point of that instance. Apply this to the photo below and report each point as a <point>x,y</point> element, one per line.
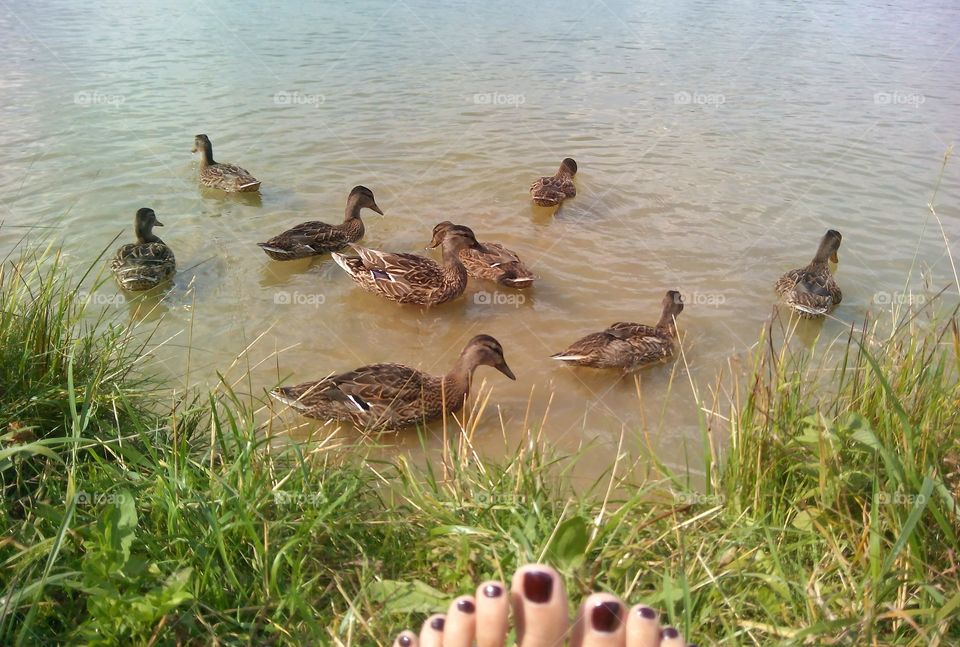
<point>716,141</point>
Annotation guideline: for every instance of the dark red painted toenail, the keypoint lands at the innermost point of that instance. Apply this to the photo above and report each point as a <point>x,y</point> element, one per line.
<point>537,586</point>
<point>437,623</point>
<point>671,633</point>
<point>493,590</point>
<point>647,613</point>
<point>465,606</point>
<point>404,641</point>
<point>605,616</point>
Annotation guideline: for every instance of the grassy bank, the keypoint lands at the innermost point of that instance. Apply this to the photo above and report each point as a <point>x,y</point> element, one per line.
<point>830,516</point>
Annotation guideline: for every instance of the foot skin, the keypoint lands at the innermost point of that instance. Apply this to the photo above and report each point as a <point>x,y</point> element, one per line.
<point>539,604</point>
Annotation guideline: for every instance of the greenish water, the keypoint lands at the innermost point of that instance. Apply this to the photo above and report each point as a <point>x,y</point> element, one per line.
<point>716,143</point>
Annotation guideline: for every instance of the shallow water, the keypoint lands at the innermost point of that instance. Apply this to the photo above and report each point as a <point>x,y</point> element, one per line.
<point>716,143</point>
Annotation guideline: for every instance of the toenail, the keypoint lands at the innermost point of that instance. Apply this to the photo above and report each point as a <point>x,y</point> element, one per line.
<point>465,606</point>
<point>537,586</point>
<point>437,623</point>
<point>647,613</point>
<point>605,616</point>
<point>404,641</point>
<point>493,590</point>
<point>671,633</point>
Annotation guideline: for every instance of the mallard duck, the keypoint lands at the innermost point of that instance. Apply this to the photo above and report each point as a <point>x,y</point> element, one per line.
<point>226,177</point>
<point>551,191</point>
<point>393,396</point>
<point>492,261</point>
<point>315,237</point>
<point>408,278</point>
<point>812,291</point>
<point>629,346</point>
<point>147,262</point>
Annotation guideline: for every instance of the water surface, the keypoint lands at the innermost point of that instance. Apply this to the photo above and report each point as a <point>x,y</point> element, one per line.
<point>716,142</point>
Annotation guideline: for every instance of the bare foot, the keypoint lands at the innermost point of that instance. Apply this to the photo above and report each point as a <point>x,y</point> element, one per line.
<point>539,604</point>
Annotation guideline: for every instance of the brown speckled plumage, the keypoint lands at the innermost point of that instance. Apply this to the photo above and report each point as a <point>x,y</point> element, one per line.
<point>146,263</point>
<point>551,191</point>
<point>492,262</point>
<point>629,346</point>
<point>408,278</point>
<point>811,291</point>
<point>226,177</point>
<point>393,396</point>
<point>314,237</point>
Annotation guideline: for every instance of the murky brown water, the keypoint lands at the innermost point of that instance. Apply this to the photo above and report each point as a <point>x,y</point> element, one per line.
<point>716,142</point>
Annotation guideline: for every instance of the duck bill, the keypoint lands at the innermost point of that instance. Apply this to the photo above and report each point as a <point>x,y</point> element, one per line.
<point>376,208</point>
<point>503,368</point>
<point>157,223</point>
<point>834,258</point>
<point>435,242</point>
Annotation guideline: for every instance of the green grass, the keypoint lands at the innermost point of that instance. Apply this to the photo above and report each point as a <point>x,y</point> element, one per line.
<point>829,517</point>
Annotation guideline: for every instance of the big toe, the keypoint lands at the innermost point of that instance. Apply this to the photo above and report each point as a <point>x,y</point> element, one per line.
<point>539,606</point>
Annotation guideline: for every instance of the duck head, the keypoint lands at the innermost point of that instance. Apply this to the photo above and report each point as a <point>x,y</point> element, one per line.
<point>143,224</point>
<point>484,350</point>
<point>454,237</point>
<point>362,198</point>
<point>568,166</point>
<point>828,247</point>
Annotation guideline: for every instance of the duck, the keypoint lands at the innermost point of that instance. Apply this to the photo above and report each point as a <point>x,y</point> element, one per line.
<point>812,291</point>
<point>314,237</point>
<point>492,262</point>
<point>551,191</point>
<point>382,397</point>
<point>148,262</point>
<point>629,346</point>
<point>408,278</point>
<point>226,177</point>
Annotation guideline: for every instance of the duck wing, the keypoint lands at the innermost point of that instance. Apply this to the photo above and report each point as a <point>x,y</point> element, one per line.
<point>811,293</point>
<point>497,263</point>
<point>141,266</point>
<point>597,350</point>
<point>370,396</point>
<point>229,177</point>
<point>550,191</point>
<point>306,239</point>
<point>405,278</point>
<point>623,345</point>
